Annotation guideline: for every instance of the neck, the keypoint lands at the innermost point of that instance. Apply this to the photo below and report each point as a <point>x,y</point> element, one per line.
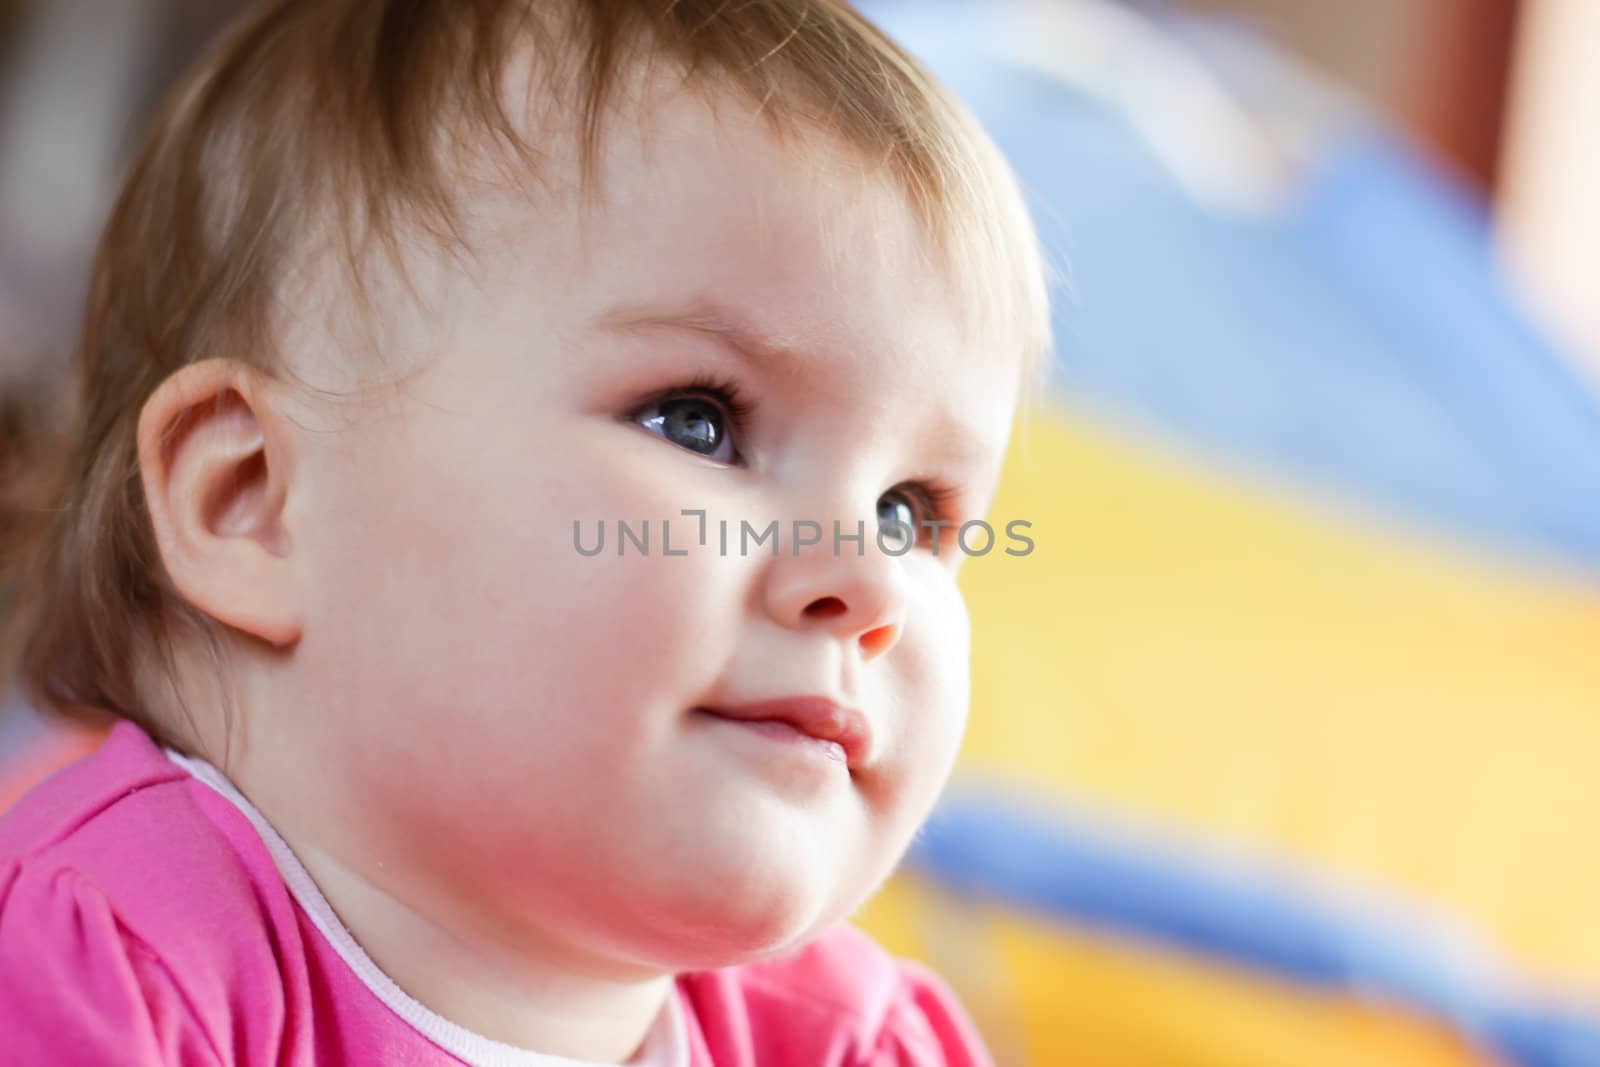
<point>495,984</point>
<point>479,983</point>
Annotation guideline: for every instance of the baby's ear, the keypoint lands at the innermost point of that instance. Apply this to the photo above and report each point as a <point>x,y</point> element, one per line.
<point>214,456</point>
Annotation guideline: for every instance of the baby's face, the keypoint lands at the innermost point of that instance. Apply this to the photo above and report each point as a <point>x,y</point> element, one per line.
<point>496,725</point>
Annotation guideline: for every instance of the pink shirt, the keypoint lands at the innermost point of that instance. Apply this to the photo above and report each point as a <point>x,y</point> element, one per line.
<point>148,915</point>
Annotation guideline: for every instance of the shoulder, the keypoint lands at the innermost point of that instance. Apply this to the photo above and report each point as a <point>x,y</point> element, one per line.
<point>78,987</point>
<point>135,826</point>
<point>79,793</point>
<point>117,885</point>
<point>841,1000</point>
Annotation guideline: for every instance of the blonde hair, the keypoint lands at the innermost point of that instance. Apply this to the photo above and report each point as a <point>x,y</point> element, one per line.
<point>333,109</point>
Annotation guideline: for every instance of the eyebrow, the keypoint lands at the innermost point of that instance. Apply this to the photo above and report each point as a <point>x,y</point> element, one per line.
<point>755,344</point>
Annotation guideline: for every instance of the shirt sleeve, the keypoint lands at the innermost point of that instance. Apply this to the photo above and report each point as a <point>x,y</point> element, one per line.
<point>927,1027</point>
<point>77,989</point>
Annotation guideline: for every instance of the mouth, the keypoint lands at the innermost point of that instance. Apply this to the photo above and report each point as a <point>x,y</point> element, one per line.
<point>838,732</point>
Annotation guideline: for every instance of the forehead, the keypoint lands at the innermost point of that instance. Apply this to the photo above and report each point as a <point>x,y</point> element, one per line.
<point>795,246</point>
<point>792,252</point>
<point>801,227</point>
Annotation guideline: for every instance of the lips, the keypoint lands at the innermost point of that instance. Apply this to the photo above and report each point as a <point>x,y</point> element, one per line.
<point>814,716</point>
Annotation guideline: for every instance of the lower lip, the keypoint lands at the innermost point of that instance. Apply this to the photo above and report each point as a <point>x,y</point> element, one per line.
<point>783,733</point>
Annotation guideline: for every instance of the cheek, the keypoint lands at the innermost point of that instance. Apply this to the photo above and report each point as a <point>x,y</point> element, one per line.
<point>488,673</point>
<point>451,590</point>
<point>942,655</point>
<point>932,672</point>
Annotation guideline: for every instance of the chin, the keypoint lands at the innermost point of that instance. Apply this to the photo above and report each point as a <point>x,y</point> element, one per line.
<point>750,918</point>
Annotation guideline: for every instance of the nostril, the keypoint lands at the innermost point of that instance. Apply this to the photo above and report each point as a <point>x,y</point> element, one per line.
<point>877,640</point>
<point>828,607</point>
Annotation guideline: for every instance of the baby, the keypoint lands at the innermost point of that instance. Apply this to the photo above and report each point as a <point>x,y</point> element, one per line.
<point>400,297</point>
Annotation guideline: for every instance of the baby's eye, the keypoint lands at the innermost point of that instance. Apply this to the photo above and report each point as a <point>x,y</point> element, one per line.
<point>913,513</point>
<point>897,519</point>
<point>697,423</point>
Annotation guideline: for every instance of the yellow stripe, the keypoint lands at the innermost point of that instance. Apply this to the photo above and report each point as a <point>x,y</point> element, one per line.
<point>1044,996</point>
<point>1254,667</point>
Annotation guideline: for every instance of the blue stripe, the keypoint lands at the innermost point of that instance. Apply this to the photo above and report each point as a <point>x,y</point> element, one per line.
<point>1361,345</point>
<point>1249,912</point>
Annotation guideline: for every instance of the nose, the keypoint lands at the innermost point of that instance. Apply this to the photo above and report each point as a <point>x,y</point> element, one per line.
<point>835,589</point>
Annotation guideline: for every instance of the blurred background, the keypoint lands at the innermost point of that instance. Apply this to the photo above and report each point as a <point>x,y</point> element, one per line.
<point>1285,745</point>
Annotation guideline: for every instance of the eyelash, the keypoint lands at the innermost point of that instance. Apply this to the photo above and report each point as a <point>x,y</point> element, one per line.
<point>726,392</point>
<point>933,495</point>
